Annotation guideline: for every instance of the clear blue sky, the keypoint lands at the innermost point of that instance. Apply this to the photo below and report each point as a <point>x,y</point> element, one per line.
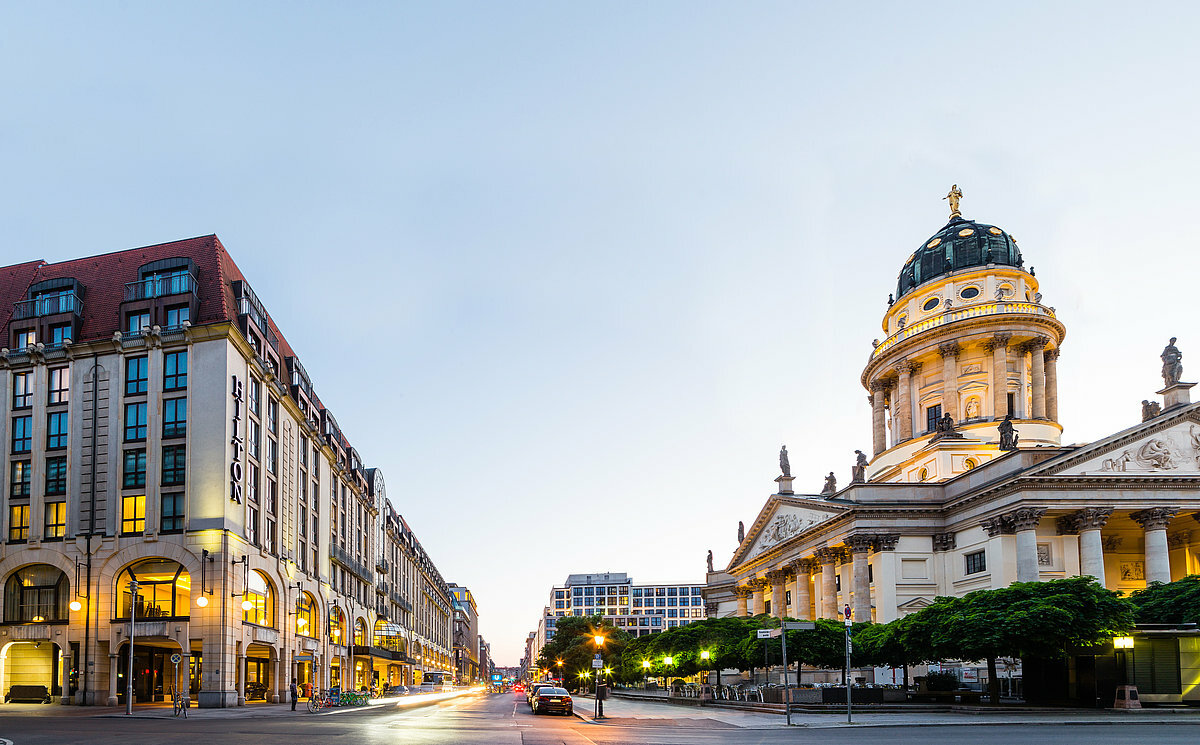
<point>571,272</point>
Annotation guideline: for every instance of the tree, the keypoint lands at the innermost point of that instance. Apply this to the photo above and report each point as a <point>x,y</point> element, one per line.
<point>574,644</point>
<point>1171,602</point>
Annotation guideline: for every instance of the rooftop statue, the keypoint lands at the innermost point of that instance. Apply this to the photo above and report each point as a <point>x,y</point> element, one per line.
<point>1150,409</point>
<point>953,197</point>
<point>830,484</point>
<point>1008,434</point>
<point>784,464</point>
<point>1172,359</point>
<point>710,566</point>
<point>741,531</point>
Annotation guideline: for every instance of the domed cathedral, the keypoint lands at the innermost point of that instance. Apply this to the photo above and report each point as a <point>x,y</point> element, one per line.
<point>967,342</point>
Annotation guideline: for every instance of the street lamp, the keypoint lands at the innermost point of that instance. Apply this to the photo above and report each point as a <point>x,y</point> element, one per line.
<point>599,639</point>
<point>645,672</point>
<point>560,675</point>
<point>705,655</point>
<point>667,662</point>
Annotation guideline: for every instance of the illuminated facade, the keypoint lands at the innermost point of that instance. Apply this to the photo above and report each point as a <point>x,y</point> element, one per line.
<point>158,427</point>
<point>943,507</point>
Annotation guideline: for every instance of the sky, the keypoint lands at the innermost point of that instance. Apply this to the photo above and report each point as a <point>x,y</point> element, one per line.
<point>571,273</point>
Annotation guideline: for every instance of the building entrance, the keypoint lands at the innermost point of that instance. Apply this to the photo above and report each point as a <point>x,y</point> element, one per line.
<point>153,674</point>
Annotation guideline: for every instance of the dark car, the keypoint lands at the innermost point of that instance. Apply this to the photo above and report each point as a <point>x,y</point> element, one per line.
<point>532,690</point>
<point>551,700</point>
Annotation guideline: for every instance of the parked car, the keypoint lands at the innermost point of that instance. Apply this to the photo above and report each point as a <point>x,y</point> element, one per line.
<point>399,691</point>
<point>550,699</point>
<point>533,688</point>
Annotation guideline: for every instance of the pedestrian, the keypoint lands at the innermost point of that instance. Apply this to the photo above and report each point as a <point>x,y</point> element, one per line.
<point>294,690</point>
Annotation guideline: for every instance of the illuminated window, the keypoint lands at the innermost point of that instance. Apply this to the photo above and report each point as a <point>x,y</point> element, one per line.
<point>60,386</point>
<point>360,633</point>
<point>337,626</point>
<point>22,390</point>
<point>36,594</point>
<point>133,515</point>
<point>164,589</point>
<point>19,478</point>
<point>56,520</point>
<point>18,522</point>
<point>306,615</point>
<point>25,339</point>
<point>261,597</point>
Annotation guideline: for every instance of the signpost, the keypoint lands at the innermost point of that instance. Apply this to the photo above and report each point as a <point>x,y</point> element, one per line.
<point>175,660</point>
<point>849,714</point>
<point>133,601</point>
<point>791,626</point>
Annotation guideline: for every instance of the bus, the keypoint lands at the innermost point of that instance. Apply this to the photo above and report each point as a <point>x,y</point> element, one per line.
<point>436,681</point>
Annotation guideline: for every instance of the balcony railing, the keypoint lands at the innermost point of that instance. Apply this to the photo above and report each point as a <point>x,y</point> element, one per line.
<point>161,285</point>
<point>960,314</point>
<point>401,601</point>
<point>48,305</point>
<point>341,556</point>
<point>381,566</point>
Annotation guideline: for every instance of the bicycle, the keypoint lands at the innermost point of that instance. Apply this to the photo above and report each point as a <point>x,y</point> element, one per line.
<point>318,701</point>
<point>180,704</point>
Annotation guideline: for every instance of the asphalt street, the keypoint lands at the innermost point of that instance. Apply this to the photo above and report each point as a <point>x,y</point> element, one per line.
<point>503,719</point>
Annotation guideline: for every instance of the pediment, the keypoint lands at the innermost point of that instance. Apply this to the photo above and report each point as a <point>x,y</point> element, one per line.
<point>915,604</point>
<point>1167,446</point>
<point>781,521</point>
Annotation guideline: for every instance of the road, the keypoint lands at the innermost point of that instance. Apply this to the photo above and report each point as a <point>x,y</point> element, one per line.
<point>505,720</point>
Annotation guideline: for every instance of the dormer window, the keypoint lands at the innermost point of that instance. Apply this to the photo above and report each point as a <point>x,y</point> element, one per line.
<point>59,334</point>
<point>177,314</point>
<point>25,339</point>
<point>135,322</point>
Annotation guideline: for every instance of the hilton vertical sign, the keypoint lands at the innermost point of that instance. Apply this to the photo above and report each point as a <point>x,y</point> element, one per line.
<point>236,444</point>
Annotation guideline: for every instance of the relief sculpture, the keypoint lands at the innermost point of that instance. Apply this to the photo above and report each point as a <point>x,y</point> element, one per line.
<point>780,529</point>
<point>1155,454</point>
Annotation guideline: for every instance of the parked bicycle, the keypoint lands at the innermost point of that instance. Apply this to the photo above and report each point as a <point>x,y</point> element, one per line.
<point>180,704</point>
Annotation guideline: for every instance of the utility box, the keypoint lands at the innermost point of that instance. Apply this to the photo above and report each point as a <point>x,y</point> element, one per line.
<point>602,693</point>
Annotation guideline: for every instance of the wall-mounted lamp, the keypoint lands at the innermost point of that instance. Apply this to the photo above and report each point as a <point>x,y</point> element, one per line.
<point>205,558</point>
<point>75,605</point>
<point>245,562</point>
<point>1123,642</point>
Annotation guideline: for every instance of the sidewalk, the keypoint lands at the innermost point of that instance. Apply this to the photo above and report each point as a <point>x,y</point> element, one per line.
<point>624,712</point>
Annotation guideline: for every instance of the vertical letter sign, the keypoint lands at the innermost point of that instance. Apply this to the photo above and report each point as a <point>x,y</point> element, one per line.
<point>235,465</point>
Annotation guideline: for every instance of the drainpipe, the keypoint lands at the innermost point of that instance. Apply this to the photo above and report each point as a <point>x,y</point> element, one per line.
<point>87,617</point>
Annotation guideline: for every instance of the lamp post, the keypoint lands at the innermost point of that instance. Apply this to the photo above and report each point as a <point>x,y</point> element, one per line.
<point>704,657</point>
<point>599,639</point>
<point>133,588</point>
<point>645,672</point>
<point>560,675</point>
<point>667,662</point>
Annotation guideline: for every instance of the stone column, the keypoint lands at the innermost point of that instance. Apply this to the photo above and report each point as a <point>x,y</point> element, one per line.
<point>860,547</point>
<point>1037,368</point>
<point>949,352</point>
<point>1090,521</point>
<point>903,414</point>
<point>1154,522</point>
<point>778,581</point>
<point>1051,363</point>
<point>742,593</point>
<point>801,594</point>
<point>760,600</point>
<point>1024,522</point>
<point>241,681</point>
<point>878,417</point>
<point>112,681</point>
<point>828,558</point>
<point>998,346</point>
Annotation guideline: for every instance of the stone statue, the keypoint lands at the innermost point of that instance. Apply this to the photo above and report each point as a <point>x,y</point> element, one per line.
<point>1150,410</point>
<point>953,197</point>
<point>741,531</point>
<point>891,300</point>
<point>1008,434</point>
<point>784,464</point>
<point>1172,359</point>
<point>973,408</point>
<point>945,423</point>
<point>900,323</point>
<point>858,474</point>
<point>830,484</point>
<point>710,567</point>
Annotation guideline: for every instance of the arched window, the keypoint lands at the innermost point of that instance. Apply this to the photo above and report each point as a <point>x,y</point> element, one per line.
<point>337,625</point>
<point>258,604</point>
<point>306,615</point>
<point>36,594</point>
<point>164,589</point>
<point>389,636</point>
<point>360,633</point>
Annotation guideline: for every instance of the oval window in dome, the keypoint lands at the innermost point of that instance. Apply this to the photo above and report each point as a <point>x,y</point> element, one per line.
<point>933,243</point>
<point>965,232</point>
<point>995,231</point>
<point>969,292</point>
<point>931,303</point>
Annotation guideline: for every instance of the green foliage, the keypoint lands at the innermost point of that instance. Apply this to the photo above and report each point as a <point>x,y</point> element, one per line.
<point>941,681</point>
<point>574,644</point>
<point>1173,602</point>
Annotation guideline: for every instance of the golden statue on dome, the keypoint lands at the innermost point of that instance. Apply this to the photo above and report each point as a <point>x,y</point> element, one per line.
<point>954,195</point>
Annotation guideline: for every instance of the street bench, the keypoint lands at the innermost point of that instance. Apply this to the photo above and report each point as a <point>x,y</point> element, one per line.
<point>27,694</point>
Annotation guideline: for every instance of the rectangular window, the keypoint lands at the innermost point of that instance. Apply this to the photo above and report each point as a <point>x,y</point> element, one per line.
<point>56,520</point>
<point>1011,401</point>
<point>56,476</point>
<point>255,401</point>
<point>932,415</point>
<point>272,497</point>
<point>172,513</point>
<point>270,545</point>
<point>134,471</point>
<point>18,522</point>
<point>22,390</point>
<point>174,458</point>
<point>303,451</point>
<point>272,455</point>
<point>975,562</point>
<point>177,314</point>
<point>135,322</point>
<point>59,334</point>
<point>133,514</point>
<point>273,415</point>
<point>253,439</point>
<point>252,527</point>
<point>60,386</point>
<point>174,417</point>
<point>25,339</point>
<point>56,430</point>
<point>22,434</point>
<point>19,478</point>
<point>136,376</point>
<point>252,482</point>
<point>135,422</point>
<point>175,371</point>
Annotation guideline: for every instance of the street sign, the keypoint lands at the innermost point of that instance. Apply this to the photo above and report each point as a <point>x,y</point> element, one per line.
<point>303,658</point>
<point>847,612</point>
<point>799,625</point>
<point>776,633</point>
<point>597,664</point>
<point>175,659</point>
<point>764,633</point>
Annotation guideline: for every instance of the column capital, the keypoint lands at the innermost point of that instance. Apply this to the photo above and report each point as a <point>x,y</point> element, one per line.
<point>945,541</point>
<point>710,609</point>
<point>904,366</point>
<point>827,555</point>
<point>948,349</point>
<point>860,543</point>
<point>1155,518</point>
<point>1035,344</point>
<point>1051,354</point>
<point>802,566</point>
<point>886,541</point>
<point>776,576</point>
<point>995,526</point>
<point>1025,518</point>
<point>743,591</point>
<point>879,385</point>
<point>1093,518</point>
